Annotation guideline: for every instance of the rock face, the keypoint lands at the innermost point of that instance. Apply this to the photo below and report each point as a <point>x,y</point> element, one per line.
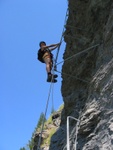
<point>47,131</point>
<point>87,86</point>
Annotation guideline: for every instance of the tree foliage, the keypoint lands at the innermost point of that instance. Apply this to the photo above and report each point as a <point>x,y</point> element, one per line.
<point>52,110</point>
<point>23,148</point>
<point>31,142</point>
<point>41,120</point>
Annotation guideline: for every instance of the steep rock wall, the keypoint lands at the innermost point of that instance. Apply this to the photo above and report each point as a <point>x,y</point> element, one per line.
<point>87,86</point>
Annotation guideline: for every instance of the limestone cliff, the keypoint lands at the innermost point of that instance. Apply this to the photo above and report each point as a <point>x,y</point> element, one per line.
<point>87,85</point>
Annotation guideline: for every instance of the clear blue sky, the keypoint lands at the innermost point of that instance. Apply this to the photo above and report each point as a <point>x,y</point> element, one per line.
<point>23,86</point>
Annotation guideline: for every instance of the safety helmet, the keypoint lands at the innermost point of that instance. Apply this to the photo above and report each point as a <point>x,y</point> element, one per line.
<point>41,43</point>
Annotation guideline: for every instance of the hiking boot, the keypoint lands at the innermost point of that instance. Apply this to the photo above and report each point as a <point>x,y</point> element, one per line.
<point>51,79</point>
<point>54,75</point>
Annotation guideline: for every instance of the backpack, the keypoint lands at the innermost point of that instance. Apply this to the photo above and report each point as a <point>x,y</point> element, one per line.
<point>40,55</point>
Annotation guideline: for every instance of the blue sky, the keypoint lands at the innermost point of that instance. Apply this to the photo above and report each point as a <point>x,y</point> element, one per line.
<point>23,86</point>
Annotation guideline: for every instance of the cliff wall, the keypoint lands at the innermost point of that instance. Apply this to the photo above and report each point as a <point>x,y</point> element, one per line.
<point>87,85</point>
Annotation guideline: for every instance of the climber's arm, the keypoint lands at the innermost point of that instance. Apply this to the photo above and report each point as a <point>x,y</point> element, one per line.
<point>51,47</point>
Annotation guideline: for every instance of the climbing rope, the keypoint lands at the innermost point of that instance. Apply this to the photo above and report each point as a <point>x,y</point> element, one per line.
<point>73,76</point>
<point>43,122</point>
<point>50,91</point>
<point>61,40</point>
<point>52,98</point>
<point>75,56</point>
<point>53,72</point>
<point>78,53</point>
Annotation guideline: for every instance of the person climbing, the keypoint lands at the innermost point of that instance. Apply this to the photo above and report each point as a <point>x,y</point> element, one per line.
<point>45,56</point>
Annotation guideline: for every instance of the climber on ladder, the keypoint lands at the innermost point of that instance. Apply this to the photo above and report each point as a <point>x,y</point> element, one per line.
<point>45,56</point>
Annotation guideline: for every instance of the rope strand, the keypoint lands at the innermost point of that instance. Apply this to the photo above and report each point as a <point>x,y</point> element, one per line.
<point>50,89</point>
<point>61,40</point>
<point>78,54</point>
<point>73,77</point>
<point>39,142</point>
